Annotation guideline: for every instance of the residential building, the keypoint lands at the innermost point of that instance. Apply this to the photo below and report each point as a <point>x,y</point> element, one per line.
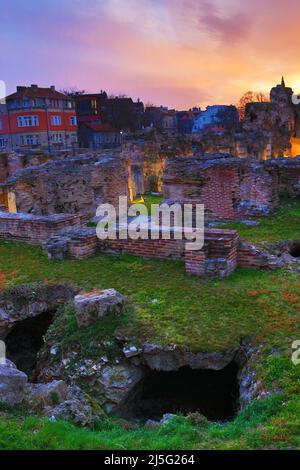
<point>101,120</point>
<point>123,114</point>
<point>38,117</point>
<point>153,117</point>
<point>95,135</point>
<point>169,121</point>
<point>185,122</point>
<point>161,118</point>
<point>90,107</point>
<point>217,118</point>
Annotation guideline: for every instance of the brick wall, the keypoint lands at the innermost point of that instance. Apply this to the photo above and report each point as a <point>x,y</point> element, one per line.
<point>34,229</point>
<point>288,176</point>
<point>228,187</point>
<point>63,235</point>
<point>249,256</point>
<point>218,194</point>
<point>195,262</point>
<point>217,258</point>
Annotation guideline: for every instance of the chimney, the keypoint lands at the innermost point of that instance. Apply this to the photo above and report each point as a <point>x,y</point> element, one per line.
<point>21,88</point>
<point>52,88</point>
<point>35,87</point>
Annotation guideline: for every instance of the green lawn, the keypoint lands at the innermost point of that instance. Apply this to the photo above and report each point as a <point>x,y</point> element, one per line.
<point>269,423</point>
<point>206,315</point>
<point>284,224</point>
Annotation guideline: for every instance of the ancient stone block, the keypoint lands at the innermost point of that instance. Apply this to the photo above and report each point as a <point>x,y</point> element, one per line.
<point>12,385</point>
<point>92,306</point>
<point>49,394</point>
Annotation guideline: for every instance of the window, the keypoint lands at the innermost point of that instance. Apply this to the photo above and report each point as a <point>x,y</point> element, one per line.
<point>28,121</point>
<point>1,124</point>
<point>27,103</point>
<point>30,140</point>
<point>73,121</point>
<point>54,103</point>
<point>2,143</point>
<point>57,138</point>
<point>56,120</point>
<point>74,138</point>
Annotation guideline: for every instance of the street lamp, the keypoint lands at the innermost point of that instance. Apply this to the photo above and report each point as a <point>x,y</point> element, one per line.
<point>121,139</point>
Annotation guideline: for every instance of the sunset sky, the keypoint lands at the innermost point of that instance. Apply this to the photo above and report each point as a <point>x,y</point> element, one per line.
<point>179,53</point>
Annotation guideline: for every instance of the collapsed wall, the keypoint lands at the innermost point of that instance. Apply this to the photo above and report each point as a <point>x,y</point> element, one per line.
<point>72,186</point>
<point>145,165</point>
<point>146,158</point>
<point>11,162</point>
<point>288,173</point>
<point>254,144</point>
<point>229,187</point>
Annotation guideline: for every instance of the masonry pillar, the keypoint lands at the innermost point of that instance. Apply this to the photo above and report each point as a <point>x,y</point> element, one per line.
<point>195,262</point>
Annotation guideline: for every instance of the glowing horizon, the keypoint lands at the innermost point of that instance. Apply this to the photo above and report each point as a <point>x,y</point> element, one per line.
<point>178,53</point>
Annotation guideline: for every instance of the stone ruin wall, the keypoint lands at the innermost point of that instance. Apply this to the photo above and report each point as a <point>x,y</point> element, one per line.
<point>288,171</point>
<point>11,162</point>
<point>276,123</point>
<point>218,257</point>
<point>75,185</point>
<point>65,236</point>
<point>256,145</point>
<point>33,229</point>
<point>232,188</point>
<point>146,161</point>
<point>145,166</point>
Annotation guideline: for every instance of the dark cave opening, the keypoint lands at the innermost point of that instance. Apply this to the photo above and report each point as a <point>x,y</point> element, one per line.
<point>25,340</point>
<point>215,394</point>
<point>295,250</point>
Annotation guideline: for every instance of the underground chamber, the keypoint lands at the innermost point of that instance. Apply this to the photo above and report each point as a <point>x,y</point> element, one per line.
<point>294,249</point>
<point>215,394</point>
<point>25,340</point>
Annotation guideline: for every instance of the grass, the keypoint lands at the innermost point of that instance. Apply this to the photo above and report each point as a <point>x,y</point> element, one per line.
<point>205,315</point>
<point>262,425</point>
<point>261,307</point>
<point>284,224</point>
<point>148,199</point>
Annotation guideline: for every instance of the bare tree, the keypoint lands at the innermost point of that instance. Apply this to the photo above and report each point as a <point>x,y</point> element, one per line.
<point>250,97</point>
<point>261,97</point>
<point>72,91</point>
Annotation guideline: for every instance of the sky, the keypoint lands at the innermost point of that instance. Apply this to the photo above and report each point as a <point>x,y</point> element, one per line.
<point>179,53</point>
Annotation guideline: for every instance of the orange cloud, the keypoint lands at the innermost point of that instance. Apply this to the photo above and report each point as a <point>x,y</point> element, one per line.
<point>174,52</point>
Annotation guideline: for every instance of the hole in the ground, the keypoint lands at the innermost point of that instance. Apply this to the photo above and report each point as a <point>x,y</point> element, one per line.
<point>215,394</point>
<point>26,339</point>
<point>295,250</point>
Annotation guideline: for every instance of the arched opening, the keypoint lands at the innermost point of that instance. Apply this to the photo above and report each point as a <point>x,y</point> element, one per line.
<point>295,250</point>
<point>215,394</point>
<point>25,340</point>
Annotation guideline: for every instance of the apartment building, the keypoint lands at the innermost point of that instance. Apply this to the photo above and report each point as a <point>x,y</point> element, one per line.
<point>35,117</point>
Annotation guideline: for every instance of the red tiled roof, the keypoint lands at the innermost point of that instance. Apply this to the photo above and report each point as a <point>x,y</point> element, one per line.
<point>98,127</point>
<point>37,92</point>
